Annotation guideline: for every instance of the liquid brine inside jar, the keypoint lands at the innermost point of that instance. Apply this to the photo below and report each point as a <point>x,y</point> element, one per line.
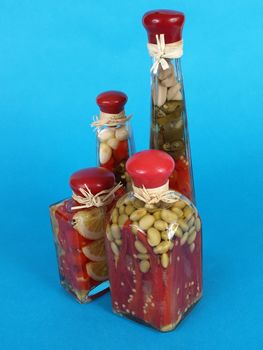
<point>169,131</point>
<point>154,260</point>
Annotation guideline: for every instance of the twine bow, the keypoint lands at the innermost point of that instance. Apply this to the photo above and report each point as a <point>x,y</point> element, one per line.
<point>110,119</point>
<point>156,195</point>
<point>100,199</point>
<point>160,51</point>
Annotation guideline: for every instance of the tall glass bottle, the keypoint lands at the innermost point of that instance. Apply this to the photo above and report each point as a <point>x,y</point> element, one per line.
<point>169,130</point>
<point>115,142</point>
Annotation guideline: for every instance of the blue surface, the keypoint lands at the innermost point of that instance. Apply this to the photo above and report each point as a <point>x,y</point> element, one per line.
<point>55,57</point>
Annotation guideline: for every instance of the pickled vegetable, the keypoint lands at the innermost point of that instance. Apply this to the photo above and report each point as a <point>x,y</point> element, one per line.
<point>79,240</point>
<point>155,273</point>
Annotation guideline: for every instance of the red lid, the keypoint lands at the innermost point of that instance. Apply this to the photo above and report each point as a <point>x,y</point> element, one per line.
<point>150,168</point>
<point>111,101</point>
<point>167,22</point>
<point>97,179</point>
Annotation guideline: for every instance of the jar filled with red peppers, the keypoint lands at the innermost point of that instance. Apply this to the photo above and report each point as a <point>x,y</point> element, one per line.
<point>154,246</point>
<point>114,134</point>
<point>79,232</point>
<point>169,130</point>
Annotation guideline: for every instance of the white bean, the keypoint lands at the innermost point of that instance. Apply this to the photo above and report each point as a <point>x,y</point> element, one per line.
<point>138,214</point>
<point>198,224</point>
<point>180,204</point>
<point>160,225</point>
<point>168,216</point>
<point>122,219</point>
<point>153,237</point>
<point>114,216</point>
<point>144,266</point>
<point>129,209</point>
<point>163,247</point>
<point>165,260</point>
<point>115,231</point>
<point>115,249</point>
<point>191,238</point>
<point>184,238</point>
<point>146,222</point>
<point>140,247</point>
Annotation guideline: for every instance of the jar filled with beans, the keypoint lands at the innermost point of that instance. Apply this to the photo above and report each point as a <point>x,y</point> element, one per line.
<point>153,244</point>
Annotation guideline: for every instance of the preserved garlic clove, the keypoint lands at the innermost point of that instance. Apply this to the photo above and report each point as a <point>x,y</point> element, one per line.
<point>106,134</point>
<point>113,143</point>
<point>105,153</point>
<point>172,92</point>
<point>178,96</point>
<point>163,74</point>
<point>170,81</point>
<point>159,96</point>
<point>121,134</point>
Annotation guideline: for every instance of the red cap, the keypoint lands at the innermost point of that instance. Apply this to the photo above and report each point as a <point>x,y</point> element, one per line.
<point>111,101</point>
<point>97,179</point>
<point>150,168</point>
<point>167,22</point>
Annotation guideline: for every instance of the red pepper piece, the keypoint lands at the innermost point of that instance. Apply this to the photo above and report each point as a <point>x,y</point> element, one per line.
<point>110,165</point>
<point>74,240</point>
<point>122,151</point>
<point>76,261</point>
<point>180,179</point>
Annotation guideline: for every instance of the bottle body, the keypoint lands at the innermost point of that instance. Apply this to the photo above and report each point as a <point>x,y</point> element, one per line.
<point>115,144</point>
<point>154,260</point>
<point>79,240</point>
<point>169,131</point>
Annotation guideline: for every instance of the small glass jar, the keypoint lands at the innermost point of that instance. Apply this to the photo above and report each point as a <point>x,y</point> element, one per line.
<point>154,246</point>
<point>169,131</point>
<point>79,233</point>
<point>115,142</point>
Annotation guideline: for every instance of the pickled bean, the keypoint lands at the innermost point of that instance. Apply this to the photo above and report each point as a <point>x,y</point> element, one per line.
<point>169,216</point>
<point>153,237</point>
<point>138,214</point>
<point>160,225</point>
<point>144,266</point>
<point>140,247</point>
<point>146,222</point>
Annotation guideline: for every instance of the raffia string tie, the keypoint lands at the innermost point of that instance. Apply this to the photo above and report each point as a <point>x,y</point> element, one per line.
<point>155,195</point>
<point>160,51</point>
<point>100,199</point>
<point>110,119</point>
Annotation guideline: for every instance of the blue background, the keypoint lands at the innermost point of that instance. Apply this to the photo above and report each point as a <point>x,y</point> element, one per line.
<point>55,57</point>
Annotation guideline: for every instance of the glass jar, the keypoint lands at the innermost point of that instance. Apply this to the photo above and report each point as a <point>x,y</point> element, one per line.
<point>169,130</point>
<point>154,246</point>
<point>79,233</point>
<point>115,142</point>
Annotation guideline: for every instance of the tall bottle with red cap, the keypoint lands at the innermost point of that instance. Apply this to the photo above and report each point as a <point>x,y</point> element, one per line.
<point>79,232</point>
<point>114,134</point>
<point>154,246</point>
<point>169,130</point>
